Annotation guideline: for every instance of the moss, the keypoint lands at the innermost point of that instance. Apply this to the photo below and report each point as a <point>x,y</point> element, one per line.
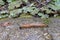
<point>46,21</point>
<point>25,16</point>
<point>58,17</point>
<point>3,19</point>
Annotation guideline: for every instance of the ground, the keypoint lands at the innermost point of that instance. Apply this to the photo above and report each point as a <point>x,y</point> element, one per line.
<point>13,32</point>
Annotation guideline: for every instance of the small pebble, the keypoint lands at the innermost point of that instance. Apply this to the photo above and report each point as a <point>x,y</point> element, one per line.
<point>47,36</point>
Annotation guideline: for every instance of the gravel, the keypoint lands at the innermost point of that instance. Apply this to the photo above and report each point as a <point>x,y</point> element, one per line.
<point>13,32</point>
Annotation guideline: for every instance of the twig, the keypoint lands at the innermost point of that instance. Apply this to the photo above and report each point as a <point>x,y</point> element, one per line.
<point>33,25</point>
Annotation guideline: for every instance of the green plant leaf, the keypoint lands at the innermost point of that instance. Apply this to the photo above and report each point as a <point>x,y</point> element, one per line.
<point>25,1</point>
<point>1,2</point>
<point>3,12</point>
<point>14,4</point>
<point>4,16</point>
<point>9,1</point>
<point>16,11</point>
<point>32,10</point>
<point>55,5</point>
<point>43,16</point>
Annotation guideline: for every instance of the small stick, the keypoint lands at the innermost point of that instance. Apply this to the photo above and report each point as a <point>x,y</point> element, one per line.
<point>33,25</point>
